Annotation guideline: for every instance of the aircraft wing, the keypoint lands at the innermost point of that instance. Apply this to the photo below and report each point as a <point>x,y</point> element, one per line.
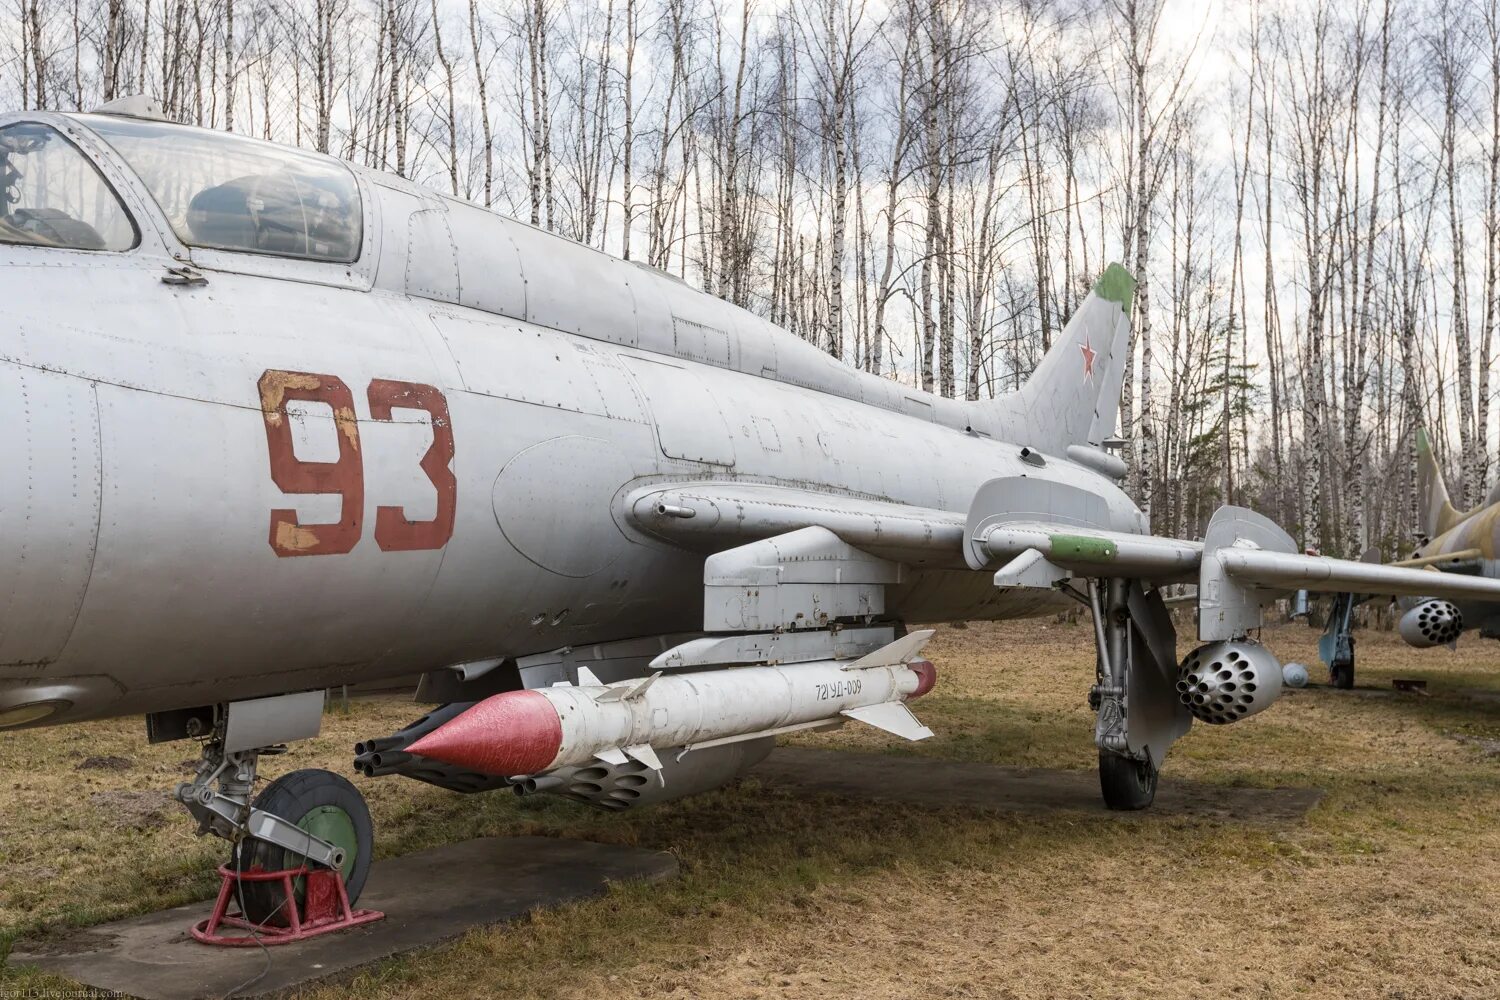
<point>1289,571</point>
<point>1088,552</point>
<point>1244,561</point>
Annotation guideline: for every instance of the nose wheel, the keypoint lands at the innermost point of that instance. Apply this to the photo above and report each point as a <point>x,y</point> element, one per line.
<point>320,803</point>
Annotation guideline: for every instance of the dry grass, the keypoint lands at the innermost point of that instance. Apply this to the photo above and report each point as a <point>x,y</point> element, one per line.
<point>1391,888</point>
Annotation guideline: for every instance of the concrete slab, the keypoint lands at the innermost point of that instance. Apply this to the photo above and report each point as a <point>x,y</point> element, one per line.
<point>941,783</point>
<point>428,897</point>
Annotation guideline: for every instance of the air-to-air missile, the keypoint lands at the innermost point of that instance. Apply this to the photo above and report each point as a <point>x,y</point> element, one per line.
<point>531,734</point>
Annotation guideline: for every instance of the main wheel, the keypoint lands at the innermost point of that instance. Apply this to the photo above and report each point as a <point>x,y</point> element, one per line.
<point>1341,675</point>
<point>324,804</point>
<point>1126,783</point>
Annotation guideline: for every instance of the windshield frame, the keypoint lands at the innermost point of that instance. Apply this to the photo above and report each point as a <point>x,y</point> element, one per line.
<point>106,177</point>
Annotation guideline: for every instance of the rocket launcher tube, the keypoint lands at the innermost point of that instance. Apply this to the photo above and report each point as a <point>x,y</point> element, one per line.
<point>534,731</point>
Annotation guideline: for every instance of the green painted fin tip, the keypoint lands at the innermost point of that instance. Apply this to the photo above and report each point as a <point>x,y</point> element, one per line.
<point>1424,447</point>
<point>1116,285</point>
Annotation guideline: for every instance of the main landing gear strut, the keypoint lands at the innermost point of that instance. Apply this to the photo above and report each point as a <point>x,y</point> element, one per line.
<point>312,819</point>
<point>1137,712</point>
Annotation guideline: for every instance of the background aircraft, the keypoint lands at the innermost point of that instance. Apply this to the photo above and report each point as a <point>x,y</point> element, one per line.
<point>279,423</point>
<point>1454,542</point>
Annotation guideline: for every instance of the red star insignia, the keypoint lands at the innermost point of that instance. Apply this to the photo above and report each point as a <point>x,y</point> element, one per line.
<point>1089,354</point>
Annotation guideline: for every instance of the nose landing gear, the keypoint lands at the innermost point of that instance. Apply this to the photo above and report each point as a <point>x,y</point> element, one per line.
<point>309,821</point>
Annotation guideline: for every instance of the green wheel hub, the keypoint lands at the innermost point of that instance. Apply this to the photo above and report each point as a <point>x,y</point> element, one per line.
<point>334,825</point>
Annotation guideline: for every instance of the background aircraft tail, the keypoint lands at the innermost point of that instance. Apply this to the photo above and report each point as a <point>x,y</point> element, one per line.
<point>1438,513</point>
<point>1073,396</point>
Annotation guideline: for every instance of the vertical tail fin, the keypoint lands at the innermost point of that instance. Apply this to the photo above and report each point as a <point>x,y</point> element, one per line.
<point>1438,513</point>
<point>1073,396</point>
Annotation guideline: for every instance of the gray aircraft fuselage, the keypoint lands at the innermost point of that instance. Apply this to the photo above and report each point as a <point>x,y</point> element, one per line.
<point>242,487</point>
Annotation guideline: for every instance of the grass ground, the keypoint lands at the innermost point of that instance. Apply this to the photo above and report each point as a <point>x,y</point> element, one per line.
<point>1389,889</point>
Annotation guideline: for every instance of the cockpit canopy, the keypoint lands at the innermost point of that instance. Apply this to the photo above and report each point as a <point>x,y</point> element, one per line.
<point>225,192</point>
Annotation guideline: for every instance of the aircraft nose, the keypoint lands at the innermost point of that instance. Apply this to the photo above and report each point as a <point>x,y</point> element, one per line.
<point>50,496</point>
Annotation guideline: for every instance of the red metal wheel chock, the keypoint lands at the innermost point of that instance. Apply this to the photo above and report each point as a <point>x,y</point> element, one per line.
<point>325,908</point>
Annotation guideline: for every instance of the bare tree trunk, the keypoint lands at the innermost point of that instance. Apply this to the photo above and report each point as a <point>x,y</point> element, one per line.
<point>947,332</point>
<point>1491,247</point>
<point>841,71</point>
<point>627,143</point>
<point>145,46</point>
<point>933,169</point>
<point>481,84</point>
<point>885,288</point>
<point>452,122</point>
<point>230,66</point>
<point>1355,406</point>
<point>393,94</point>
<point>1449,72</point>
<point>77,59</point>
<point>114,45</point>
<point>1241,176</point>
<point>1268,306</point>
<point>38,54</point>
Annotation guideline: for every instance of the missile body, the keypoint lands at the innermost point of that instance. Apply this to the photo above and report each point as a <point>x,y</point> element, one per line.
<point>532,732</point>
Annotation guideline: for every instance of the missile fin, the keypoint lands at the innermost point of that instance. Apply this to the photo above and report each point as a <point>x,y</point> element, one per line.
<point>586,678</point>
<point>615,756</point>
<point>643,753</point>
<point>893,717</point>
<point>902,650</point>
<point>623,693</point>
<point>640,688</point>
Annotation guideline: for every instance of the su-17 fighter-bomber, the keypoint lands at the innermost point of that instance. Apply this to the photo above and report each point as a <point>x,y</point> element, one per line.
<point>277,423</point>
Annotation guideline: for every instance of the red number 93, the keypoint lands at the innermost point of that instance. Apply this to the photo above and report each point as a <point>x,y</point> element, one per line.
<point>344,477</point>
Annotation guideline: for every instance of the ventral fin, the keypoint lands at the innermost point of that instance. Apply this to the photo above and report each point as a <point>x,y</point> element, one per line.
<point>643,753</point>
<point>615,756</point>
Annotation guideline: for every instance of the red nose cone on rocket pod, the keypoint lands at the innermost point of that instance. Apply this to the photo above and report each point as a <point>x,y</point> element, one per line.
<point>517,732</point>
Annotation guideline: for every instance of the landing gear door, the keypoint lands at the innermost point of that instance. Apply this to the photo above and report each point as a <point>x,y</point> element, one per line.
<point>1156,717</point>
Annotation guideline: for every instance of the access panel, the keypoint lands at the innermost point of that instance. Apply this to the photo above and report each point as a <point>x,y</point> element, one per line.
<point>689,424</point>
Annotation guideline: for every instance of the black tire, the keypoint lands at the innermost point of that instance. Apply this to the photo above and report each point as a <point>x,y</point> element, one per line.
<point>1341,675</point>
<point>1127,784</point>
<point>317,798</point>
